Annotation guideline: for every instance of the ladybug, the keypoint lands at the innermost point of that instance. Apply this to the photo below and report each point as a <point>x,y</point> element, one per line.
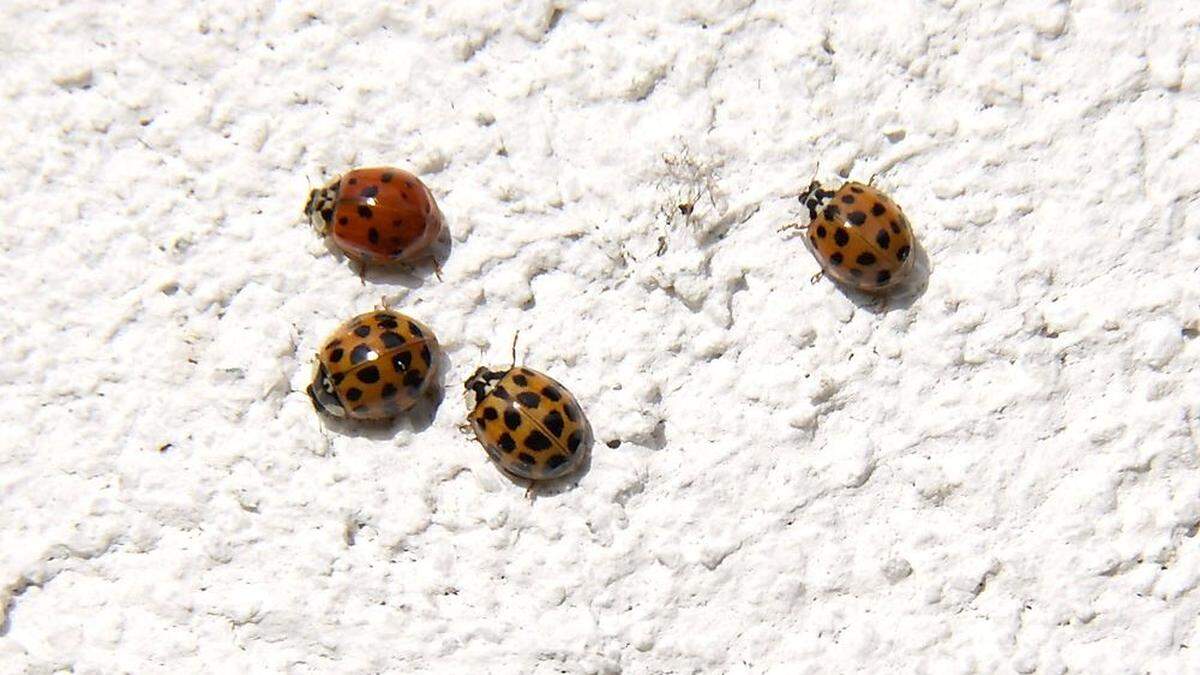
<point>859,235</point>
<point>377,215</point>
<point>529,424</point>
<point>375,366</point>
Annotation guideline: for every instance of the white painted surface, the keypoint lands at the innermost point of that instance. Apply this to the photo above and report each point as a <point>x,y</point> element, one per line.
<point>996,475</point>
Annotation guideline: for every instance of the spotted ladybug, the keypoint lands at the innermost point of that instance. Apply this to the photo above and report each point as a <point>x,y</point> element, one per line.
<point>859,235</point>
<point>377,215</point>
<point>375,366</point>
<point>529,424</point>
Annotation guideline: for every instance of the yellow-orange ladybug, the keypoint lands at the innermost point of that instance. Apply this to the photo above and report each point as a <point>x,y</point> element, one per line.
<point>530,425</point>
<point>859,235</point>
<point>377,215</point>
<point>375,366</point>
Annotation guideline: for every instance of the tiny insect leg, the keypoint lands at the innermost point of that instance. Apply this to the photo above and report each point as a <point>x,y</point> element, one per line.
<point>816,277</point>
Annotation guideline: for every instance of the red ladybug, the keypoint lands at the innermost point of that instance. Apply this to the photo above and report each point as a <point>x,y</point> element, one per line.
<point>377,215</point>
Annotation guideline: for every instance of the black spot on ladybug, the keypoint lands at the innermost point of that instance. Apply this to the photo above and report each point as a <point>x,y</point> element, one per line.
<point>902,254</point>
<point>847,199</point>
<point>389,390</point>
<point>551,393</point>
<point>415,329</point>
<point>521,380</point>
<point>883,277</point>
<point>370,375</point>
<point>574,441</point>
<point>507,443</point>
<point>387,176</point>
<point>389,323</point>
<point>855,272</point>
<point>336,355</point>
<point>529,399</point>
<point>501,392</point>
<point>364,211</point>
<point>362,331</point>
<point>525,458</point>
<point>878,209</point>
<point>537,441</point>
<point>554,423</point>
<point>490,414</point>
<point>352,181</point>
<point>413,378</point>
<point>857,217</point>
<point>359,354</point>
<point>883,239</point>
<point>402,361</point>
<point>556,461</point>
<point>841,237</point>
<point>391,340</point>
<point>353,394</point>
<point>865,259</point>
<point>821,232</point>
<point>837,258</point>
<point>856,190</point>
<point>338,377</point>
<point>426,354</point>
<point>831,212</point>
<point>370,192</point>
<point>572,412</point>
<point>512,419</point>
<point>373,235</point>
<point>895,227</point>
<point>343,220</point>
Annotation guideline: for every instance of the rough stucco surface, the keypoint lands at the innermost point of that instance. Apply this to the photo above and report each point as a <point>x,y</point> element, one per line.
<point>997,473</point>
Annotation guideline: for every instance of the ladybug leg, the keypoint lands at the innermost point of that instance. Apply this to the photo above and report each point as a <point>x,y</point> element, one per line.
<point>871,181</point>
<point>437,269</point>
<point>529,493</point>
<point>362,272</point>
<point>816,277</point>
<point>881,303</point>
<point>794,226</point>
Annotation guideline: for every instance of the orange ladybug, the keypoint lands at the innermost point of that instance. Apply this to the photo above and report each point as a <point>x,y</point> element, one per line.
<point>375,366</point>
<point>859,235</point>
<point>377,215</point>
<point>530,425</point>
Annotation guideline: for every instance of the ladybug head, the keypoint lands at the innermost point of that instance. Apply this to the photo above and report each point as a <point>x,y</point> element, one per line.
<point>480,384</point>
<point>319,208</point>
<point>815,197</point>
<point>324,395</point>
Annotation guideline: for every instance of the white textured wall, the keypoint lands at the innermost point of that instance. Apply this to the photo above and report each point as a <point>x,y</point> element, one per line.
<point>999,474</point>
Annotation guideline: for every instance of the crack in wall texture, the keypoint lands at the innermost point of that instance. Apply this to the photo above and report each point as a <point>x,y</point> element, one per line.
<point>997,473</point>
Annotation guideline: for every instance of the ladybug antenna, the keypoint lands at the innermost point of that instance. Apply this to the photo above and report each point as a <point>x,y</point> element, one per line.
<point>514,348</point>
<point>804,192</point>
